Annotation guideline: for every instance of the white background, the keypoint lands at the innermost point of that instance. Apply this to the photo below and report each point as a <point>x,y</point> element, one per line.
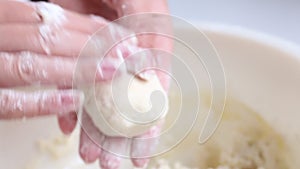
<point>279,18</point>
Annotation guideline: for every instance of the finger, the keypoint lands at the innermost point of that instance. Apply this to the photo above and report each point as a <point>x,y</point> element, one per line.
<point>47,13</point>
<point>94,58</point>
<point>142,147</point>
<point>42,39</point>
<point>124,8</point>
<point>109,161</point>
<point>113,148</point>
<point>16,11</point>
<point>25,68</point>
<point>90,139</point>
<point>54,15</point>
<point>99,8</point>
<point>88,150</point>
<point>84,23</point>
<point>67,122</point>
<point>17,104</point>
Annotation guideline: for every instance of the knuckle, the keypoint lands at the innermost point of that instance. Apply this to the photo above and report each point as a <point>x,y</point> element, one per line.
<point>24,68</point>
<point>9,103</point>
<point>51,24</point>
<point>40,103</point>
<point>47,36</point>
<point>43,102</point>
<point>48,102</point>
<point>4,102</point>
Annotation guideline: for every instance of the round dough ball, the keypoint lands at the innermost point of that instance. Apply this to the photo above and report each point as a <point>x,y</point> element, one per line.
<point>127,105</point>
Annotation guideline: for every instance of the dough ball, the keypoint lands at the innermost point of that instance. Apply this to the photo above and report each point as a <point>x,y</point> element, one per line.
<point>127,105</point>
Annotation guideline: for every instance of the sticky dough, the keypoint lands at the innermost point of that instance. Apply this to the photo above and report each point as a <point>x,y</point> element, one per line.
<point>107,106</point>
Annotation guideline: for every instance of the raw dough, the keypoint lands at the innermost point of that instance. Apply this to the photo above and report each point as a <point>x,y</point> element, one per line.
<point>125,106</point>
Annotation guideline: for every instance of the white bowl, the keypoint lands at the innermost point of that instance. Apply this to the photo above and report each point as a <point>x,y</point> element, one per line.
<point>262,72</point>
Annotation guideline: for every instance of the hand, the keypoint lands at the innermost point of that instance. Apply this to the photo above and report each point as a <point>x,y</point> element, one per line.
<point>113,9</point>
<point>37,47</point>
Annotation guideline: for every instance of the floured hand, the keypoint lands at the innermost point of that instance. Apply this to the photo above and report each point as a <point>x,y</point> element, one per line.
<point>111,10</point>
<point>38,50</point>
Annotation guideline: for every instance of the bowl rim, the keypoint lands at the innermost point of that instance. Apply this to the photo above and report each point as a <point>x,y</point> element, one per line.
<point>263,38</point>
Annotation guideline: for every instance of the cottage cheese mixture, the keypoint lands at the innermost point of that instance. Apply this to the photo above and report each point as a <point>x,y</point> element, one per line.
<point>242,141</point>
<point>126,106</point>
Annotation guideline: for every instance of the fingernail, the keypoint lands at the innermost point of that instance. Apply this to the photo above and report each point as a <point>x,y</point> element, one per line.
<point>141,163</point>
<point>146,75</point>
<point>71,101</point>
<point>105,72</point>
<point>109,162</point>
<point>126,49</point>
<point>89,153</point>
<point>67,122</point>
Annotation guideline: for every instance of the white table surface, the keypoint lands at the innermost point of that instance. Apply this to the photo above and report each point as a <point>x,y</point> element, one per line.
<point>280,18</point>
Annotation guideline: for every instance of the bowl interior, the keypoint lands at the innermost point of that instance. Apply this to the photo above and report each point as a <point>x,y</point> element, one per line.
<point>261,72</point>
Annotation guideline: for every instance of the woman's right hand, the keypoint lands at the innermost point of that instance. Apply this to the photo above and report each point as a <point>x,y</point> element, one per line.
<point>93,143</point>
<point>39,46</point>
